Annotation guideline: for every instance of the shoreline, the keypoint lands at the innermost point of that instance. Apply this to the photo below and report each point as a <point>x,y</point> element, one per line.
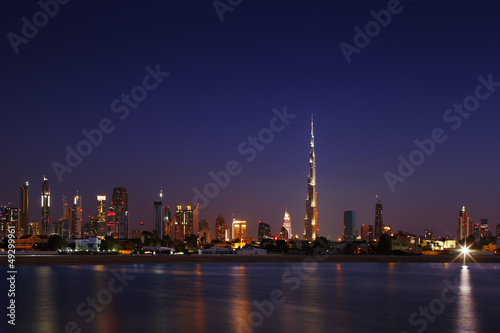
<point>30,260</point>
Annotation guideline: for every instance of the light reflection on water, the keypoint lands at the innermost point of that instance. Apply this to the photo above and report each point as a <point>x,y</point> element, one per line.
<point>350,297</point>
<point>466,319</point>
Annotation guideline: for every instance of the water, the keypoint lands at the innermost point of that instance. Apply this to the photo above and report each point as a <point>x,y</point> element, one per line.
<point>329,297</point>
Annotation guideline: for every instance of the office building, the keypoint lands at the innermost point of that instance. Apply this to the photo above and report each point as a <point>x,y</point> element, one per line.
<point>204,232</point>
<point>349,225</point>
<point>239,231</point>
<point>220,228</point>
<point>76,217</point>
<point>379,220</point>
<point>264,231</point>
<point>367,233</point>
<point>118,213</point>
<point>183,222</point>
<point>158,216</point>
<point>464,224</point>
<point>101,216</point>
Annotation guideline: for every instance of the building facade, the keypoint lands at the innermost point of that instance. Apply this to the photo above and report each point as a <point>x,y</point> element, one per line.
<point>101,216</point>
<point>183,222</point>
<point>118,213</point>
<point>239,231</point>
<point>379,220</point>
<point>158,216</point>
<point>287,223</point>
<point>367,233</point>
<point>76,217</point>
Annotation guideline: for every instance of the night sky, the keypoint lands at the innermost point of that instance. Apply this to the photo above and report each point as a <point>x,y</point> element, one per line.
<point>226,77</point>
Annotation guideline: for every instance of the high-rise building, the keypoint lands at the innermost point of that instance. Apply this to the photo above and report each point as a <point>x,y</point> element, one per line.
<point>283,233</point>
<point>34,228</point>
<point>485,232</point>
<point>264,231</point>
<point>44,227</point>
<point>220,228</point>
<point>168,223</point>
<point>498,231</point>
<point>90,228</point>
<point>196,226</point>
<point>101,215</point>
<point>204,232</point>
<point>64,228</point>
<point>464,224</point>
<point>239,231</point>
<point>349,225</point>
<point>379,220</point>
<point>23,210</point>
<point>367,233</point>
<point>76,217</point>
<point>183,222</point>
<point>429,235</point>
<point>287,223</point>
<point>8,217</point>
<point>158,216</point>
<point>118,213</point>
<point>311,221</point>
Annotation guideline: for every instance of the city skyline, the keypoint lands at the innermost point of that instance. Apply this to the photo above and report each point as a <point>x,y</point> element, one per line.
<point>224,81</point>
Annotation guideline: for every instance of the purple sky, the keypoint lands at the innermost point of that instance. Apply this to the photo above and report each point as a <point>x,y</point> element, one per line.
<point>226,77</point>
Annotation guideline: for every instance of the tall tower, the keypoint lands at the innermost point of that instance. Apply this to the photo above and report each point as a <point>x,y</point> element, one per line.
<point>118,213</point>
<point>220,228</point>
<point>44,228</point>
<point>101,215</point>
<point>379,220</point>
<point>464,225</point>
<point>349,225</point>
<point>76,217</point>
<point>158,216</point>
<point>287,223</point>
<point>311,221</point>
<point>23,209</point>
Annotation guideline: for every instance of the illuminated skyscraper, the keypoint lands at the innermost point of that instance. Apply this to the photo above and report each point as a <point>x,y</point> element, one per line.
<point>379,220</point>
<point>220,228</point>
<point>183,222</point>
<point>239,231</point>
<point>158,216</point>
<point>76,217</point>
<point>44,227</point>
<point>464,224</point>
<point>101,215</point>
<point>23,210</point>
<point>287,223</point>
<point>349,225</point>
<point>311,221</point>
<point>65,225</point>
<point>118,213</point>
<point>264,231</point>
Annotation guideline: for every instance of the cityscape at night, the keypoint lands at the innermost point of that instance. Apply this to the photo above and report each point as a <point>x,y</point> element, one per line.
<point>280,162</point>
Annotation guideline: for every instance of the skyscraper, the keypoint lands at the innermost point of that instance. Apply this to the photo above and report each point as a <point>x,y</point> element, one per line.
<point>158,216</point>
<point>349,225</point>
<point>239,231</point>
<point>183,222</point>
<point>287,223</point>
<point>101,215</point>
<point>311,221</point>
<point>44,228</point>
<point>464,224</point>
<point>168,224</point>
<point>119,202</point>
<point>23,210</point>
<point>76,217</point>
<point>204,232</point>
<point>379,220</point>
<point>220,228</point>
<point>65,226</point>
<point>264,231</point>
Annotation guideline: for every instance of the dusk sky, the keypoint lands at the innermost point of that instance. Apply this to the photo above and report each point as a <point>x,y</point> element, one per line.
<point>226,77</point>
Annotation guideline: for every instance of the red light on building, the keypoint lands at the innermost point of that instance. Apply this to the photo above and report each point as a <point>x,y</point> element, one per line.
<point>275,238</point>
<point>141,223</point>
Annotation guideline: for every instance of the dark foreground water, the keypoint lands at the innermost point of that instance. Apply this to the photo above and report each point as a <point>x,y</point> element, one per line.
<point>288,297</point>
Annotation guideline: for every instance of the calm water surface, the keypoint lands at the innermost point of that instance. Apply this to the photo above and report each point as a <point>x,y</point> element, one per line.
<point>254,297</point>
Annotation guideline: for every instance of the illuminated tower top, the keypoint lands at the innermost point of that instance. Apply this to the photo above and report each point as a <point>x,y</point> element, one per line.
<point>287,223</point>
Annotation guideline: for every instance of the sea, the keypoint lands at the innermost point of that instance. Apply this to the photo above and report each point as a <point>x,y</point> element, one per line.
<point>311,296</point>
